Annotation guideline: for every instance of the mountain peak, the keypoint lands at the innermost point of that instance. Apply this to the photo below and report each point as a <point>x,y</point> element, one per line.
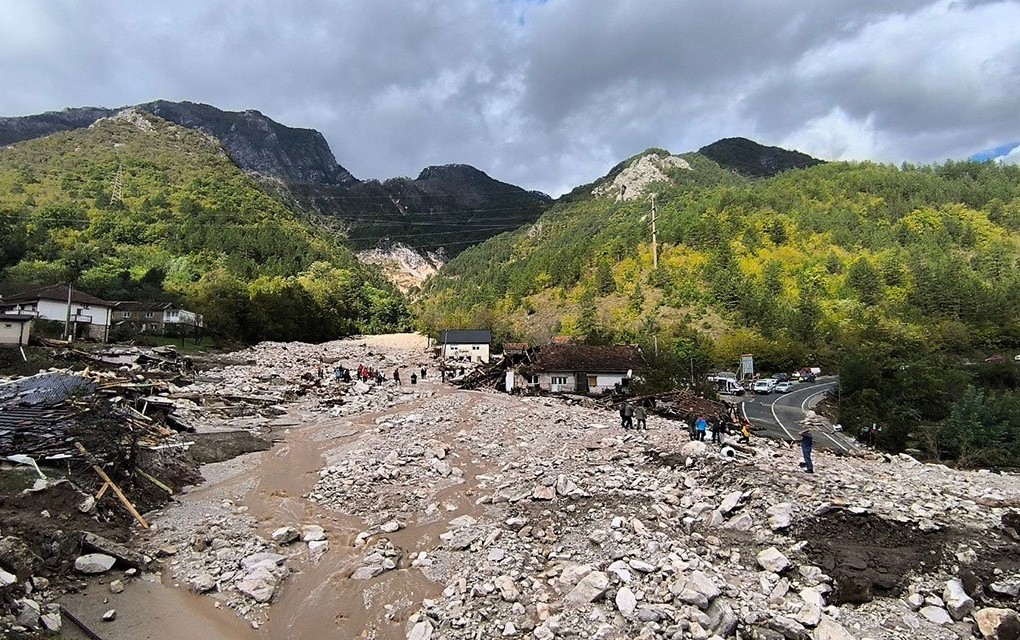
<point>633,180</point>
<point>755,160</point>
<point>254,141</point>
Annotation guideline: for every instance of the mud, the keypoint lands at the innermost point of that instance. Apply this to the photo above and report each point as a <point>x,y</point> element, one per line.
<point>224,445</point>
<point>868,556</point>
<point>47,521</point>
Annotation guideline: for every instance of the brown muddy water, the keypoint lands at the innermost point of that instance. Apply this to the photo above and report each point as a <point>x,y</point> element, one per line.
<point>317,600</point>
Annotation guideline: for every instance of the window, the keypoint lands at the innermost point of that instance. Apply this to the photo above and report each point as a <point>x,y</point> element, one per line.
<point>127,314</point>
<point>533,379</point>
<point>475,348</point>
<point>85,306</point>
<point>593,381</point>
<point>148,314</point>
<point>559,380</point>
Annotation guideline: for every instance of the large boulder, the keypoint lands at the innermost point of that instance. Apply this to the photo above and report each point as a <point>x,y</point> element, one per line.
<point>94,563</point>
<point>588,589</point>
<point>773,560</point>
<point>957,601</point>
<point>694,449</point>
<point>18,558</point>
<point>998,624</point>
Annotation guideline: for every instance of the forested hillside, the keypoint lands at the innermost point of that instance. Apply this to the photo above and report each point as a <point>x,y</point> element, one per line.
<point>134,207</point>
<point>905,273</point>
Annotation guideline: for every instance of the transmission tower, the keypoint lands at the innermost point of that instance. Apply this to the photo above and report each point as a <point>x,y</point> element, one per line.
<point>116,193</point>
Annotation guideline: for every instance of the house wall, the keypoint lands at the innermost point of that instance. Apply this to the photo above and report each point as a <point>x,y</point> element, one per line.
<point>180,316</point>
<point>52,310</point>
<point>14,333</point>
<point>545,382</point>
<point>138,321</point>
<point>100,323</point>
<point>472,352</point>
<point>605,381</point>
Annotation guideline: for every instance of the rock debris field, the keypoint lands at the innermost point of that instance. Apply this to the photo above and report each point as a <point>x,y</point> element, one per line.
<point>425,511</point>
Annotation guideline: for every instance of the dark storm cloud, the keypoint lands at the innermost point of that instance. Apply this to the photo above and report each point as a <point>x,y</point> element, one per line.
<point>547,95</point>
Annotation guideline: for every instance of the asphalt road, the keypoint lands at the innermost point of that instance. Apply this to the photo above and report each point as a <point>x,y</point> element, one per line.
<point>778,415</point>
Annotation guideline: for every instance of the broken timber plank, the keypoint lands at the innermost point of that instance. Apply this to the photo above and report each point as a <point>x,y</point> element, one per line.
<point>113,485</point>
<point>92,635</point>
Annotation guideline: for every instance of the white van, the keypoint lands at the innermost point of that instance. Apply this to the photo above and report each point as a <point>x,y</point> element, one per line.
<point>728,386</point>
<point>765,385</point>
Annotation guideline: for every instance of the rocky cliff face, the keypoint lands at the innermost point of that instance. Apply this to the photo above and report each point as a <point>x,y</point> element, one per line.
<point>259,144</point>
<point>30,127</point>
<point>633,182</point>
<point>751,159</point>
<point>256,143</point>
<point>446,208</point>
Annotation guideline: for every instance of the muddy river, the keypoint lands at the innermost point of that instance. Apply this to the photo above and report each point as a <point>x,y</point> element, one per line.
<point>318,599</point>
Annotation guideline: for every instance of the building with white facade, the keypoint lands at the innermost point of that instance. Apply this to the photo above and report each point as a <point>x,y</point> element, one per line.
<point>87,316</point>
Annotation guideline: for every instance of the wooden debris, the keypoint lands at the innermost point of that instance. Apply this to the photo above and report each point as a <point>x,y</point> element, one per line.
<point>120,495</point>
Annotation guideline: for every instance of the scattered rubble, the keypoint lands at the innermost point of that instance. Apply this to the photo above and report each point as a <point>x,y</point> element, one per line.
<point>535,518</point>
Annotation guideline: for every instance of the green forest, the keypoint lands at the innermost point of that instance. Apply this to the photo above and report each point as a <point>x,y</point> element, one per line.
<point>901,279</point>
<point>135,208</point>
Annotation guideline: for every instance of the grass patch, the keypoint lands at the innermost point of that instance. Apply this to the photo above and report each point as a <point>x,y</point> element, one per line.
<point>15,480</point>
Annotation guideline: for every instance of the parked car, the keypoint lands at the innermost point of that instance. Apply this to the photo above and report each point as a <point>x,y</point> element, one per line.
<point>764,386</point>
<point>808,374</point>
<point>784,387</point>
<point>782,377</point>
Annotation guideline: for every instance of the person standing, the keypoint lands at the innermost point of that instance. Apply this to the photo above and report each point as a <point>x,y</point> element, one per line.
<point>639,415</point>
<point>414,378</point>
<point>700,427</point>
<point>806,441</point>
<point>423,371</point>
<point>745,433</point>
<point>715,423</point>
<point>396,376</point>
<point>626,415</point>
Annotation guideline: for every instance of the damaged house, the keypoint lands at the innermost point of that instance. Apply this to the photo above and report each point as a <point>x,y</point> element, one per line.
<point>577,368</point>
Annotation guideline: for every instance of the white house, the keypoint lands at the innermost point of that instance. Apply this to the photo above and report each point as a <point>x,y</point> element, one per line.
<point>90,316</point>
<point>471,345</point>
<point>578,368</point>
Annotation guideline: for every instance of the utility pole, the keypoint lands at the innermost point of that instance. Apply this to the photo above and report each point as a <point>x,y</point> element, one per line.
<point>67,321</point>
<point>655,244</point>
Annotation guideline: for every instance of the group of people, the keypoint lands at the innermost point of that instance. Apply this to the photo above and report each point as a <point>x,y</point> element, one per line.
<point>365,373</point>
<point>414,375</point>
<point>630,413</point>
<point>720,426</point>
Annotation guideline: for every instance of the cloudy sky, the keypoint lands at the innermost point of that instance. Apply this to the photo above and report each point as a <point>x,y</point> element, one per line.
<point>544,94</point>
